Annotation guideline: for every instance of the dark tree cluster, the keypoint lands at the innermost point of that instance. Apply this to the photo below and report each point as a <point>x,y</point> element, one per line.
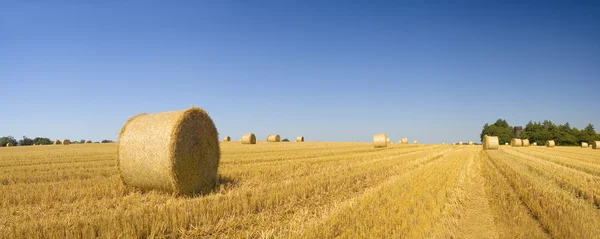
<point>539,132</point>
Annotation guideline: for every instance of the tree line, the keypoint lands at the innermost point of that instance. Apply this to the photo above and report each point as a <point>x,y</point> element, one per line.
<point>540,132</point>
<point>39,141</point>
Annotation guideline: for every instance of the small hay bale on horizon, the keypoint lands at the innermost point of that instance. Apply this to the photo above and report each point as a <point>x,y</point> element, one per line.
<point>300,139</point>
<point>415,142</point>
<point>66,142</point>
<point>175,151</point>
<point>273,138</point>
<point>9,144</point>
<point>404,140</point>
<point>380,140</point>
<point>248,138</point>
<point>227,139</point>
<point>56,142</point>
<point>460,142</point>
<point>469,142</point>
<point>550,144</point>
<point>534,144</point>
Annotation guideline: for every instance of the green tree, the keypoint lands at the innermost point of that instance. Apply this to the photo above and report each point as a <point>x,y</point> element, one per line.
<point>8,139</point>
<point>500,128</point>
<point>25,141</point>
<point>42,141</point>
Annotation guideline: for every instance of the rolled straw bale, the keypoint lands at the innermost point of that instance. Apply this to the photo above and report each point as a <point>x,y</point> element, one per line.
<point>490,142</point>
<point>56,142</point>
<point>516,142</point>
<point>595,144</point>
<point>415,142</point>
<point>66,142</point>
<point>404,140</point>
<point>273,138</point>
<point>227,139</point>
<point>506,143</point>
<point>550,144</point>
<point>380,140</point>
<point>176,151</point>
<point>300,139</point>
<point>248,139</point>
<point>9,145</point>
<point>584,144</point>
<point>525,142</point>
<point>387,140</point>
<point>453,143</point>
<point>534,144</point>
<point>470,142</point>
<point>460,143</point>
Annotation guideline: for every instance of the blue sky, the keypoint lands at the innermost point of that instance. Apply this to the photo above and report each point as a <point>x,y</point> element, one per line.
<point>339,71</point>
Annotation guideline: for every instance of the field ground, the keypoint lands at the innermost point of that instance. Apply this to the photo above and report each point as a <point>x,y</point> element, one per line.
<point>311,190</point>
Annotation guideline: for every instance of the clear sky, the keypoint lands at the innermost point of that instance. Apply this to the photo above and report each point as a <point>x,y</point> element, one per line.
<point>341,71</point>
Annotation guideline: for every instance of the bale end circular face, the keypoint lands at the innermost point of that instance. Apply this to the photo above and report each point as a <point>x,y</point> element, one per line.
<point>380,140</point>
<point>175,151</point>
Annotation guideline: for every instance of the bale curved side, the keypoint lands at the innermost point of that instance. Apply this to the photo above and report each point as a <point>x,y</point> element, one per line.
<point>516,142</point>
<point>525,142</point>
<point>550,144</point>
<point>300,139</point>
<point>595,144</point>
<point>175,151</point>
<point>248,138</point>
<point>584,144</point>
<point>380,140</point>
<point>273,138</point>
<point>490,142</point>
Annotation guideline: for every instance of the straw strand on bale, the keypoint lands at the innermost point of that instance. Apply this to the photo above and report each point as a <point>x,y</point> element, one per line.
<point>176,151</point>
<point>380,140</point>
<point>273,138</point>
<point>248,139</point>
<point>490,142</point>
<point>550,144</point>
<point>300,139</point>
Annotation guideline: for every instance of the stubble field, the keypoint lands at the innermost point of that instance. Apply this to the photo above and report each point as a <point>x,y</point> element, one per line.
<point>311,190</point>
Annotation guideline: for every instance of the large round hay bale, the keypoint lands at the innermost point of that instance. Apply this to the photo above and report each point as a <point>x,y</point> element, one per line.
<point>550,144</point>
<point>56,142</point>
<point>66,142</point>
<point>248,139</point>
<point>273,138</point>
<point>227,139</point>
<point>300,139</point>
<point>415,142</point>
<point>380,140</point>
<point>404,140</point>
<point>490,142</point>
<point>516,142</point>
<point>595,144</point>
<point>525,142</point>
<point>470,142</point>
<point>584,144</point>
<point>176,151</point>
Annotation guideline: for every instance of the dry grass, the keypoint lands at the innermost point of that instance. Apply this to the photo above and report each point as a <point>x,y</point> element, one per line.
<point>310,190</point>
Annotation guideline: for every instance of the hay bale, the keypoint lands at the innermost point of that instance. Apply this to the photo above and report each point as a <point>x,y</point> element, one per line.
<point>66,142</point>
<point>404,140</point>
<point>525,142</point>
<point>273,138</point>
<point>300,139</point>
<point>453,143</point>
<point>506,143</point>
<point>470,142</point>
<point>227,139</point>
<point>56,142</point>
<point>460,143</point>
<point>9,144</point>
<point>550,144</point>
<point>490,142</point>
<point>516,142</point>
<point>176,151</point>
<point>415,142</point>
<point>595,144</point>
<point>584,144</point>
<point>534,144</point>
<point>380,140</point>
<point>248,139</point>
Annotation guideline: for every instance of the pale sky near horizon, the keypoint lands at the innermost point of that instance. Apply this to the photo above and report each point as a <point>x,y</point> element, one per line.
<point>338,71</point>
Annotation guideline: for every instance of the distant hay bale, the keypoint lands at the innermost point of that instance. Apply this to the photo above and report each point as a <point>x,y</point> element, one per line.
<point>584,144</point>
<point>525,142</point>
<point>273,138</point>
<point>534,144</point>
<point>516,142</point>
<point>470,142</point>
<point>404,140</point>
<point>300,139</point>
<point>506,143</point>
<point>9,144</point>
<point>415,142</point>
<point>248,139</point>
<point>56,142</point>
<point>227,139</point>
<point>490,142</point>
<point>388,140</point>
<point>595,144</point>
<point>453,143</point>
<point>380,140</point>
<point>550,144</point>
<point>460,143</point>
<point>66,142</point>
<point>176,151</point>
